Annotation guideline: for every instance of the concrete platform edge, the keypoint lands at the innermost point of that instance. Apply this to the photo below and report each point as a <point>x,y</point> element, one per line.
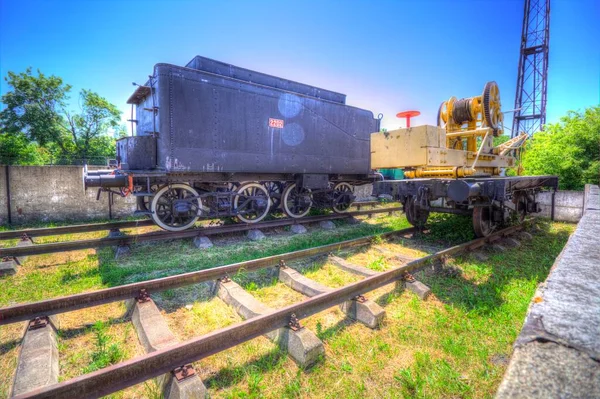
<point>557,353</point>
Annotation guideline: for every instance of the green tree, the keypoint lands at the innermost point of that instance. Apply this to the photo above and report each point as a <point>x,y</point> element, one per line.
<point>17,149</point>
<point>503,138</point>
<point>569,149</point>
<point>36,108</point>
<point>90,127</point>
<point>33,107</point>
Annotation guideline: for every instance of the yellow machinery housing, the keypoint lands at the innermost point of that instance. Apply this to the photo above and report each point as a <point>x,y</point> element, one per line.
<point>460,146</point>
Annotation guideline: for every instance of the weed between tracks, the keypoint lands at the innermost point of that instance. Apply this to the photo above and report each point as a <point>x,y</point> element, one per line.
<point>455,344</point>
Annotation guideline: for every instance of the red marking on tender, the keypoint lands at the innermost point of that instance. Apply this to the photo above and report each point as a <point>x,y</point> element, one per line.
<point>276,123</point>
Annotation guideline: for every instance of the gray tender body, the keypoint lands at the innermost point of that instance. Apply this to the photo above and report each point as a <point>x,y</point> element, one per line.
<point>215,117</point>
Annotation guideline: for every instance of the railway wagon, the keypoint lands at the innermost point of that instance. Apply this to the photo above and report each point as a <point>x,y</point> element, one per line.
<point>455,167</point>
<point>216,140</point>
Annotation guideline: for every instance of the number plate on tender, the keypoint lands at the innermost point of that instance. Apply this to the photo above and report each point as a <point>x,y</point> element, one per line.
<point>276,123</point>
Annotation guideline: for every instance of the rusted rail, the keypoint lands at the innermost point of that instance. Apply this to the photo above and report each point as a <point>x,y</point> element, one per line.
<point>142,368</point>
<point>28,311</point>
<point>39,249</point>
<point>85,228</point>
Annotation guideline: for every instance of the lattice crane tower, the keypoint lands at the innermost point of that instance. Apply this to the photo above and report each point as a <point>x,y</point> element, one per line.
<point>532,78</point>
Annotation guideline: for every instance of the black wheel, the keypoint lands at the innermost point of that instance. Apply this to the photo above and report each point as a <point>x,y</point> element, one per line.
<point>296,202</point>
<point>173,207</point>
<point>275,190</point>
<point>483,223</point>
<point>414,214</point>
<point>251,202</point>
<point>342,197</point>
<point>520,207</point>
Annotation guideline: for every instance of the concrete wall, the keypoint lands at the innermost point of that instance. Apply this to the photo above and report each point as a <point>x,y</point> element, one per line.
<point>3,201</point>
<point>557,353</point>
<point>363,193</point>
<point>568,205</point>
<point>54,193</point>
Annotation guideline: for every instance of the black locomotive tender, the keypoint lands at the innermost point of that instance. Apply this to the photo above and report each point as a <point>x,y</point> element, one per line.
<point>215,140</point>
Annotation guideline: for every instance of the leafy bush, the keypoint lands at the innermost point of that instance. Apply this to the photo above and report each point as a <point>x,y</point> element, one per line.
<point>569,149</point>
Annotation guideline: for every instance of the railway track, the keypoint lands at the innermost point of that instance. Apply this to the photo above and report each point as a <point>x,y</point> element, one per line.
<point>176,360</point>
<point>126,240</point>
<point>86,228</point>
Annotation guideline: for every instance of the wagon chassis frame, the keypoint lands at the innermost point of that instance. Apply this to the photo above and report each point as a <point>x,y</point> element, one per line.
<point>491,201</point>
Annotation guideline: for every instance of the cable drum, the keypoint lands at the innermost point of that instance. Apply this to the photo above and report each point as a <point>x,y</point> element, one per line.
<point>461,111</point>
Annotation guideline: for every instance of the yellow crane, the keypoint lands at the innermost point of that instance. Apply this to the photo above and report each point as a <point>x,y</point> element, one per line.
<point>461,145</point>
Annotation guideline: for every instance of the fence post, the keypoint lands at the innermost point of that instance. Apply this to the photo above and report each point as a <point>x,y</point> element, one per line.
<point>8,214</point>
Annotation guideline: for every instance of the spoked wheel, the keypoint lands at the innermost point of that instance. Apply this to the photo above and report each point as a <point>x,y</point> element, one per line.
<point>275,190</point>
<point>251,202</point>
<point>233,186</point>
<point>483,223</point>
<point>296,202</point>
<point>414,214</point>
<point>174,208</point>
<point>342,197</point>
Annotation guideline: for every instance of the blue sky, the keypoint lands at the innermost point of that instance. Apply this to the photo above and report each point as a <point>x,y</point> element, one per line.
<point>387,56</point>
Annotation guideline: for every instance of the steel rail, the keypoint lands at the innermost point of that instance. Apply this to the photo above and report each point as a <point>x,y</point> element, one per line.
<point>123,375</point>
<point>64,246</point>
<point>85,228</point>
<point>28,311</point>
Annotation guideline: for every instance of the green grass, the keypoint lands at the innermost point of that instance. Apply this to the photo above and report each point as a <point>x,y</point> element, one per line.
<point>106,351</point>
<point>53,275</point>
<point>180,256</point>
<point>378,264</point>
<point>455,344</point>
<point>426,378</point>
<point>40,283</point>
<point>37,224</point>
<point>448,229</point>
